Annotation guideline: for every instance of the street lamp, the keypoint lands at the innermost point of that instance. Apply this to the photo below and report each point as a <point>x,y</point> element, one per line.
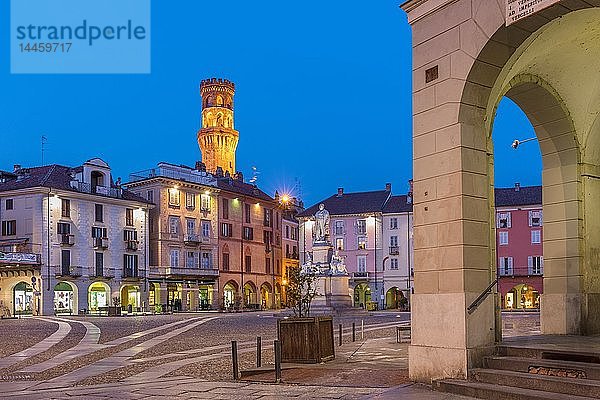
<point>517,142</point>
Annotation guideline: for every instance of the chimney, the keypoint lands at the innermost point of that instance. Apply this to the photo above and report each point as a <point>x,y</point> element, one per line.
<point>517,187</point>
<point>200,166</point>
<point>239,176</point>
<point>219,172</point>
<point>388,187</point>
<point>340,192</point>
<point>16,167</point>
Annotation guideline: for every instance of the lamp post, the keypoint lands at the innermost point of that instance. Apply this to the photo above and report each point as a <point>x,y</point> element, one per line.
<point>517,142</point>
<point>383,269</point>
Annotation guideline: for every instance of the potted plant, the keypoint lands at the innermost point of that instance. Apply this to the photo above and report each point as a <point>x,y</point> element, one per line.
<point>115,310</point>
<point>304,338</point>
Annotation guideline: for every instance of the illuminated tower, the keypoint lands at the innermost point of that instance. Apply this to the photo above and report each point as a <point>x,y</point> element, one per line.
<point>217,138</point>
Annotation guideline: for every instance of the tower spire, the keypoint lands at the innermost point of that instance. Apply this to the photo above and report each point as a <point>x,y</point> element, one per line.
<point>217,138</point>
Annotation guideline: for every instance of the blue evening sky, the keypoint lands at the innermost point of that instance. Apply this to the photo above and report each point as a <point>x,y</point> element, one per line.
<point>323,98</point>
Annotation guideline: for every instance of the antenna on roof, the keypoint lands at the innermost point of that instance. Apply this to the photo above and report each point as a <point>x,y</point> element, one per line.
<point>44,139</point>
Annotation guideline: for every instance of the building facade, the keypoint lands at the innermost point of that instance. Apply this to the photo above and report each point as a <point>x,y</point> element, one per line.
<point>357,233</point>
<point>72,241</point>
<point>519,237</point>
<point>183,256</point>
<point>290,233</point>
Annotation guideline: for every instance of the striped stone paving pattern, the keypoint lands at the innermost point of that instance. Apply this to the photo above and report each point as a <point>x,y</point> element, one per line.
<point>131,359</point>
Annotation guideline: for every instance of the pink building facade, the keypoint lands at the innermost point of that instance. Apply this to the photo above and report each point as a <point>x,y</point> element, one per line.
<point>519,238</point>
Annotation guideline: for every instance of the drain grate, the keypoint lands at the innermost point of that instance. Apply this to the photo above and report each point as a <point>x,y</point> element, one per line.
<point>561,372</point>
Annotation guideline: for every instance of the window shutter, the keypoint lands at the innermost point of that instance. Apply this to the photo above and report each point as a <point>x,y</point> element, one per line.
<point>508,223</point>
<point>541,217</point>
<point>510,264</point>
<point>124,261</point>
<point>530,217</point>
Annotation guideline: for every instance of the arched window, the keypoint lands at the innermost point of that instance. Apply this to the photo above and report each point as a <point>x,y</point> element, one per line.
<point>219,101</point>
<point>220,120</point>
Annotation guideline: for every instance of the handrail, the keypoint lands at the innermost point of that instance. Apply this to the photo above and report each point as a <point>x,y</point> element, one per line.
<point>481,297</point>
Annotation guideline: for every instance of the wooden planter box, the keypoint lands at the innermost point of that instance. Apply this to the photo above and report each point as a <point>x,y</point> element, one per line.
<point>306,340</point>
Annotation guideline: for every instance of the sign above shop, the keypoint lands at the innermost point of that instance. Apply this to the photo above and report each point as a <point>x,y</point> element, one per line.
<point>18,258</point>
<point>519,9</point>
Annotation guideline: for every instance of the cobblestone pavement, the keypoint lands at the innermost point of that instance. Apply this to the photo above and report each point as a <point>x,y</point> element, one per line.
<point>188,356</point>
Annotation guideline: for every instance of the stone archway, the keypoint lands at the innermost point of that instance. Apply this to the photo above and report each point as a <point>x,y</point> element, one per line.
<point>465,59</point>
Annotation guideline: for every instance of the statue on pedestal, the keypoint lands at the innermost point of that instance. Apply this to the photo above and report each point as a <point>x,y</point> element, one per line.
<point>321,230</point>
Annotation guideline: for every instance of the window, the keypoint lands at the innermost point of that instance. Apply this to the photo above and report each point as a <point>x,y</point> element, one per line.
<point>189,260</point>
<point>295,233</point>
<point>65,208</point>
<point>150,196</point>
<point>339,227</point>
<point>174,258</point>
<point>206,260</point>
<point>174,197</point>
<point>9,228</point>
<point>362,242</point>
<point>190,201</point>
<point>248,267</point>
<point>535,218</point>
<point>536,237</point>
<point>394,263</point>
<point>267,217</point>
<point>206,229</point>
<point>505,266</point>
<point>226,230</point>
<point>503,238</point>
<point>267,265</point>
<point>268,238</point>
<point>278,268</point>
<point>9,204</point>
<point>361,226</point>
<point>99,264</point>
<point>99,213</point>
<point>129,235</point>
<point>205,202</point>
<point>191,226</point>
<point>98,232</point>
<point>173,225</point>
<point>225,208</point>
<point>248,233</point>
<point>63,228</point>
<point>225,261</point>
<point>130,265</point>
<point>393,241</point>
<point>361,263</point>
<point>65,259</point>
<point>535,265</point>
<point>129,216</point>
<point>503,220</point>
<point>339,243</point>
<point>287,231</point>
<point>247,213</point>
<point>394,223</point>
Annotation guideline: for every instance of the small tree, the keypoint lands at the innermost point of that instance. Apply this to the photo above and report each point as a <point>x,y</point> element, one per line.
<point>301,290</point>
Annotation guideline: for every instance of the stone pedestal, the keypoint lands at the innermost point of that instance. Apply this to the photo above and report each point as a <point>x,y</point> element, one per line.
<point>332,295</point>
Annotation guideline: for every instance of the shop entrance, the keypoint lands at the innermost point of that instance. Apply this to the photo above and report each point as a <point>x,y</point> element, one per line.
<point>23,299</point>
<point>64,298</point>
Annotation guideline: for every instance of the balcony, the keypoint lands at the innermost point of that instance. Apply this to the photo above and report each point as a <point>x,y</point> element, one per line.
<point>205,209</point>
<point>67,239</point>
<point>292,256</point>
<point>195,272</point>
<point>99,190</point>
<point>97,272</point>
<point>521,271</point>
<point>191,239</point>
<point>132,245</point>
<point>101,243</point>
<point>394,250</point>
<point>67,271</point>
<point>131,273</point>
<point>361,275</point>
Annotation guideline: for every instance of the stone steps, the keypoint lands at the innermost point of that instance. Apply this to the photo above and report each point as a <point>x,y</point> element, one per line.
<point>523,364</point>
<point>490,391</point>
<point>532,373</point>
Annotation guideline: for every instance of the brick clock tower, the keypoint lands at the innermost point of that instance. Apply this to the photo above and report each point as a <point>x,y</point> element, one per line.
<point>217,138</point>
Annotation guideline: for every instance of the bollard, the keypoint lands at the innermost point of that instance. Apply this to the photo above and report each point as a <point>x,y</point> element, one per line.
<point>353,332</point>
<point>234,359</point>
<point>362,329</point>
<point>340,334</point>
<point>277,344</point>
<point>258,352</point>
